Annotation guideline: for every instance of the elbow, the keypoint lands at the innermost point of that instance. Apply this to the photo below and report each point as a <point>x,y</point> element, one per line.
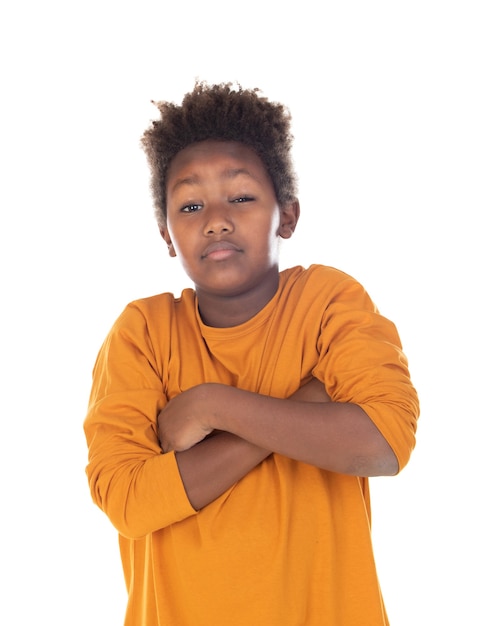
<point>125,521</point>
<point>130,531</point>
<point>134,500</point>
<point>119,509</point>
<point>386,465</point>
<point>370,467</point>
<point>387,462</point>
<point>377,462</point>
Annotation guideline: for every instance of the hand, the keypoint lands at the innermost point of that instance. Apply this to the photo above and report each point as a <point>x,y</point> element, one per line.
<point>183,422</point>
<point>189,417</point>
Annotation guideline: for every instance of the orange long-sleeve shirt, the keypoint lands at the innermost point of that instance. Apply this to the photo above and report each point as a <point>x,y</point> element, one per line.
<point>289,544</point>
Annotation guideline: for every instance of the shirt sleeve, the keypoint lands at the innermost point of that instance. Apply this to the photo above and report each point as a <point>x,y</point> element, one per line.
<point>130,479</point>
<point>362,361</point>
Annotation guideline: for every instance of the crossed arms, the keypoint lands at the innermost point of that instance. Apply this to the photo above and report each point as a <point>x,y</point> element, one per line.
<point>219,433</point>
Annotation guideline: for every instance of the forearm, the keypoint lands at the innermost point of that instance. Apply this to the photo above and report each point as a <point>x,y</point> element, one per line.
<point>213,465</point>
<point>335,436</point>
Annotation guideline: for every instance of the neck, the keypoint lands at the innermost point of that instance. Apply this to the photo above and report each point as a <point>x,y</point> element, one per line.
<point>225,311</point>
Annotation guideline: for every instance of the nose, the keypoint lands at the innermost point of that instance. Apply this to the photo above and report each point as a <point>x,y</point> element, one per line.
<point>218,220</point>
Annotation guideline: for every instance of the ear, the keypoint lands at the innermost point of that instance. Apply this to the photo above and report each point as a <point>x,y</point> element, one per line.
<point>166,236</point>
<point>289,215</point>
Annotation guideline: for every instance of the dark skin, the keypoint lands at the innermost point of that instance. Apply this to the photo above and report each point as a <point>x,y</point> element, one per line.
<point>307,427</point>
<point>224,223</point>
<point>225,458</point>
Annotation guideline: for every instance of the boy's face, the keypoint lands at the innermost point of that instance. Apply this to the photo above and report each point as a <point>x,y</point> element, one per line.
<point>223,219</point>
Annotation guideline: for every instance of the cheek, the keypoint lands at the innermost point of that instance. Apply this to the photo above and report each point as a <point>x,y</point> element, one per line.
<point>268,238</point>
<point>274,226</point>
<point>177,236</point>
<point>173,244</point>
<point>179,248</point>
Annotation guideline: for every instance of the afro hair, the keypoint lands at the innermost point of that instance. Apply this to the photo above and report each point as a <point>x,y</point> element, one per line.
<point>225,113</point>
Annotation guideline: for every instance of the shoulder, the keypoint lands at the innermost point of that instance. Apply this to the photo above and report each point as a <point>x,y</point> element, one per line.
<point>145,327</point>
<point>153,316</point>
<point>159,307</point>
<point>324,282</point>
<point>315,274</point>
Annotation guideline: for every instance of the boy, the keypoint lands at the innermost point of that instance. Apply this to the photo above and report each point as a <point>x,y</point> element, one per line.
<point>232,431</point>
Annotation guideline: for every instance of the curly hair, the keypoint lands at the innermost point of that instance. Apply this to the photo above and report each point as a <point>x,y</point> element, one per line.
<point>221,112</point>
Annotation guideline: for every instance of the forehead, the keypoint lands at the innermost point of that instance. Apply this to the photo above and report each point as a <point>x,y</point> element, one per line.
<point>211,154</point>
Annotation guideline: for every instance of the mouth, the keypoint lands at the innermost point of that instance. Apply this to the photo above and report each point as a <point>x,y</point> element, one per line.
<point>220,251</point>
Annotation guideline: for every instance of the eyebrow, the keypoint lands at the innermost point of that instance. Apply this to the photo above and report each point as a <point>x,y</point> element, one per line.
<point>229,173</point>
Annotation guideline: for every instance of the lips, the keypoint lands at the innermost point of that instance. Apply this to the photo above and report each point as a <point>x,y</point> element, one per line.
<point>220,250</point>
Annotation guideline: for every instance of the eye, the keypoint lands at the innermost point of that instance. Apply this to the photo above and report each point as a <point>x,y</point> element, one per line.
<point>191,208</point>
<point>242,199</point>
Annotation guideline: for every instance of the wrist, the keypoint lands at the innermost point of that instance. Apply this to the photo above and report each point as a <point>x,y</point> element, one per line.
<point>217,400</point>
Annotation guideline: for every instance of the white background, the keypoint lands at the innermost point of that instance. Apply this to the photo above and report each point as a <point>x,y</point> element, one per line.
<point>392,106</point>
